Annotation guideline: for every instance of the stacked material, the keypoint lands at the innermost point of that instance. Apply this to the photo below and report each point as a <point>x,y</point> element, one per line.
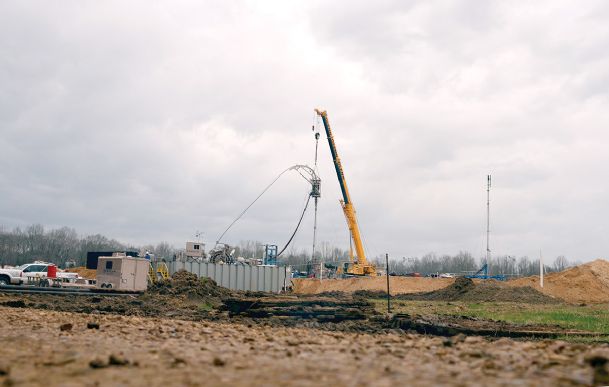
<point>83,272</point>
<point>323,309</point>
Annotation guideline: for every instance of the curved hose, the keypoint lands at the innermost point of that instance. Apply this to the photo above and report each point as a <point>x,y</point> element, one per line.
<point>297,226</point>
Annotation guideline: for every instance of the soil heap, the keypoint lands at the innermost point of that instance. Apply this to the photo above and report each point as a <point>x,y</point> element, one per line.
<point>587,283</point>
<point>188,286</point>
<point>464,289</point>
<point>185,296</point>
<point>83,272</point>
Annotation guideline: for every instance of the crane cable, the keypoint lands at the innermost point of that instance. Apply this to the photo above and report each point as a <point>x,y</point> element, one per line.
<point>297,226</point>
<point>251,204</point>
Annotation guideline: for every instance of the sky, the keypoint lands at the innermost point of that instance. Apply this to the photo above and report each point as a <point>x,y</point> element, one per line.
<point>148,121</point>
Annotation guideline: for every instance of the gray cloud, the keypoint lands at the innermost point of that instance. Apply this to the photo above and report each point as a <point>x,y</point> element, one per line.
<point>146,122</point>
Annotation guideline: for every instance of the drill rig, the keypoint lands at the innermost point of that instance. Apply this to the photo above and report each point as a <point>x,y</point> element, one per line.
<point>358,265</point>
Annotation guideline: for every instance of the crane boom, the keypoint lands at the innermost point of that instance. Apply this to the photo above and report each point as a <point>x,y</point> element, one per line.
<point>359,266</point>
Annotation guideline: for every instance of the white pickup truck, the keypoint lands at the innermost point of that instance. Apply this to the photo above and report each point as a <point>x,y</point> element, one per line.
<point>21,274</point>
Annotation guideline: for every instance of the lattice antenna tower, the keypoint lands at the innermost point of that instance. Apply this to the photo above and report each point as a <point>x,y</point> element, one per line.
<point>488,218</point>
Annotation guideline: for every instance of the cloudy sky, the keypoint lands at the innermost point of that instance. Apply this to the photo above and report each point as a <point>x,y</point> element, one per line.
<point>149,120</point>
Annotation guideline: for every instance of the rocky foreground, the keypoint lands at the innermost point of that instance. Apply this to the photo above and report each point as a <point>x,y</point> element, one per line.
<point>61,349</point>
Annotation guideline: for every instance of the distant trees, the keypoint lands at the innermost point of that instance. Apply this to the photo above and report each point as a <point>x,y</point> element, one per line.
<point>58,245</point>
<point>20,246</point>
<point>465,263</point>
<point>560,263</point>
<point>431,263</point>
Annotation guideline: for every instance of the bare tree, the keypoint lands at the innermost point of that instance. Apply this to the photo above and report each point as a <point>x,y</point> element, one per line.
<point>560,263</point>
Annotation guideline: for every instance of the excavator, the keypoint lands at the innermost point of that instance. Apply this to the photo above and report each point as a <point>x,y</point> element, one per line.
<point>358,265</point>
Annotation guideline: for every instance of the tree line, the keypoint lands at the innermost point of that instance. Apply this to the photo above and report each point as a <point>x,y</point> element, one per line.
<point>465,263</point>
<point>19,246</point>
<point>35,243</point>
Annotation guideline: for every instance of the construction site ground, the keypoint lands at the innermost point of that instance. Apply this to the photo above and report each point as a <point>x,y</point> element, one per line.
<point>188,331</point>
<point>49,348</point>
<point>583,284</point>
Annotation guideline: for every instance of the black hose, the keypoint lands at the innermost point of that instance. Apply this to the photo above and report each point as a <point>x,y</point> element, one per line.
<point>297,226</point>
<point>63,292</point>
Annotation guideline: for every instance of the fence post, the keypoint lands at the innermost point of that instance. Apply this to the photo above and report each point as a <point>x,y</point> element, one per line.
<point>387,274</point>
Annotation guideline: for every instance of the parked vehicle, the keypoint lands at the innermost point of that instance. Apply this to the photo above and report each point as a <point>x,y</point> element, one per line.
<point>29,272</point>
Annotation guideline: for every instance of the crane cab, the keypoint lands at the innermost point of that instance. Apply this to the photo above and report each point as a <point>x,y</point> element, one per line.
<point>356,269</point>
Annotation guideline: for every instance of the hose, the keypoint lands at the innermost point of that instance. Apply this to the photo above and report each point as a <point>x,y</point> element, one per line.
<point>297,226</point>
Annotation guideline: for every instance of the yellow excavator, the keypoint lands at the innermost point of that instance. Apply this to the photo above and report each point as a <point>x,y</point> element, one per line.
<point>358,264</point>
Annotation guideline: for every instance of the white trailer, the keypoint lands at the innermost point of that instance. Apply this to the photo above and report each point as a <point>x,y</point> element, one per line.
<point>123,273</point>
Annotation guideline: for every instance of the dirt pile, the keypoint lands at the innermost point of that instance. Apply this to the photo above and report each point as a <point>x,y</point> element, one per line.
<point>587,283</point>
<point>83,272</point>
<point>185,297</point>
<point>188,286</point>
<point>464,289</point>
<point>398,285</point>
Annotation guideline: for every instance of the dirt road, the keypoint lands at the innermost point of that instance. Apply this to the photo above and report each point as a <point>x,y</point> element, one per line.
<point>399,285</point>
<point>139,351</point>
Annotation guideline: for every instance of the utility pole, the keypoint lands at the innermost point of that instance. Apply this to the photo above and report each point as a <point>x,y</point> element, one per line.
<point>387,274</point>
<point>540,269</point>
<point>488,221</point>
<point>316,195</point>
<point>321,271</point>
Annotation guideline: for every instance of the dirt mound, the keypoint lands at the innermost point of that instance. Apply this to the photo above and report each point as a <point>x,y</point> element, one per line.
<point>587,283</point>
<point>464,289</point>
<point>187,285</point>
<point>184,296</point>
<point>370,293</point>
<point>83,272</point>
<point>398,285</point>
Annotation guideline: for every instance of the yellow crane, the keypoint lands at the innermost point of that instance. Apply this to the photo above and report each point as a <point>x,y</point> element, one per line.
<point>358,265</point>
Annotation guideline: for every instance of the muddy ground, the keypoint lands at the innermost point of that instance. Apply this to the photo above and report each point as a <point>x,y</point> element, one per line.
<point>186,297</point>
<point>50,348</point>
<point>465,289</point>
<point>190,332</point>
<point>582,284</point>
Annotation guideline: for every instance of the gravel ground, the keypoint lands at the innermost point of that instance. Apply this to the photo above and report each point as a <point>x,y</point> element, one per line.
<point>58,349</point>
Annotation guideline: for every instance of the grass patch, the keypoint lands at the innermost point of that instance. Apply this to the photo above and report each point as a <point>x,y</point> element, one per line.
<point>206,307</point>
<point>591,318</point>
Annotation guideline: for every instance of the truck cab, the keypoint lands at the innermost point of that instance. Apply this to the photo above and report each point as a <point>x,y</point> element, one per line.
<point>19,275</point>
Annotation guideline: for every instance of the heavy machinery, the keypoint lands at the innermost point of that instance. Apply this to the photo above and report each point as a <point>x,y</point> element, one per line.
<point>358,264</point>
<point>483,274</point>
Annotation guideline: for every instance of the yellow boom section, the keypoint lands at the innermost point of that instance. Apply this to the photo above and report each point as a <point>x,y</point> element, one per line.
<point>360,266</point>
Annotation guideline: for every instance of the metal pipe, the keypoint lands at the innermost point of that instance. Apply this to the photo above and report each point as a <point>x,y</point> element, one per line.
<point>59,292</point>
<point>62,291</point>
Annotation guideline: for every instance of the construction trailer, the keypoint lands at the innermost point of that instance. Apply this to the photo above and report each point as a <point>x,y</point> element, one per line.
<point>93,257</point>
<point>195,249</point>
<point>122,272</point>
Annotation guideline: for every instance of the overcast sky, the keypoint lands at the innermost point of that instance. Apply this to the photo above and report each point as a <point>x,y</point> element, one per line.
<point>146,121</point>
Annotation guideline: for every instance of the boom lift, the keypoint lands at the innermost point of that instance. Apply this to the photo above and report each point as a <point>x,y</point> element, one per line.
<point>358,265</point>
